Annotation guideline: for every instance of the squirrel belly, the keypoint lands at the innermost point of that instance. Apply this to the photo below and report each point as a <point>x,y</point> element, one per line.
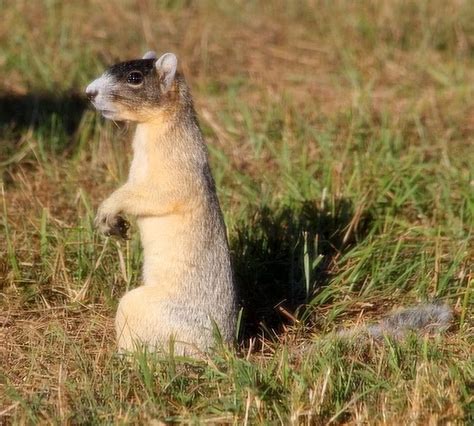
<point>187,288</point>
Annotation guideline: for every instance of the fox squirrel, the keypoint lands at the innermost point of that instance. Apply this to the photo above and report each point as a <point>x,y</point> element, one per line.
<point>188,286</point>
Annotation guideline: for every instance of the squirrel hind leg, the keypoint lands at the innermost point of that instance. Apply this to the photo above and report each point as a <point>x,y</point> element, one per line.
<point>144,319</point>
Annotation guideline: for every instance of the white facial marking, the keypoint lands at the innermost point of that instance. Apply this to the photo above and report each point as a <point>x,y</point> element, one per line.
<point>104,82</point>
<point>98,92</point>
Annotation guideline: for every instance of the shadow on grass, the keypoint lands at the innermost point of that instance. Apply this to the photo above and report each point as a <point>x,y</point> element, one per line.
<point>38,109</point>
<point>269,256</point>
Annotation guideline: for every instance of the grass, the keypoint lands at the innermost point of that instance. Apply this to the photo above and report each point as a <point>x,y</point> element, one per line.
<point>341,140</point>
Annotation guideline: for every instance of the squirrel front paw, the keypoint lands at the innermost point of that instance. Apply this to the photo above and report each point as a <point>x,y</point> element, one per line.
<point>112,225</point>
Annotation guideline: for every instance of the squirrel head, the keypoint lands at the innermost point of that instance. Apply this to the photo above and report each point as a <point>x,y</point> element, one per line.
<point>138,90</point>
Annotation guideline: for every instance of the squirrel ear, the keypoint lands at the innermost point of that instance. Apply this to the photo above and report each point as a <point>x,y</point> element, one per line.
<point>166,67</point>
<point>150,55</point>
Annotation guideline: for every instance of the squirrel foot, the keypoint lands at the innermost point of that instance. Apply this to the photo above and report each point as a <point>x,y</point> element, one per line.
<point>112,225</point>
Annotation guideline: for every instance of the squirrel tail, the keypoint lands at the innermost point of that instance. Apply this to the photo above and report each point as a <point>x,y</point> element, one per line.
<point>422,319</point>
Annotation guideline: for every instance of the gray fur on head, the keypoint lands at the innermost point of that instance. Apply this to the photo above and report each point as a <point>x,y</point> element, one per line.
<point>138,89</point>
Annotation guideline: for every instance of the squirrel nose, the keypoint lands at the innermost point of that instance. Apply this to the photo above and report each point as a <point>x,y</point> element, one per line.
<point>91,94</point>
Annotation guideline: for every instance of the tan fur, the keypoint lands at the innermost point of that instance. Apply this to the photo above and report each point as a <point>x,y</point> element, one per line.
<point>187,278</point>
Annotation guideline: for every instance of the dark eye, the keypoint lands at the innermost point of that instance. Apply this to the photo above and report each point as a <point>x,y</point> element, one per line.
<point>135,78</point>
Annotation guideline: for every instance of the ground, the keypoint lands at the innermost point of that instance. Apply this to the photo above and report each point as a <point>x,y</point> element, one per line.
<point>341,141</point>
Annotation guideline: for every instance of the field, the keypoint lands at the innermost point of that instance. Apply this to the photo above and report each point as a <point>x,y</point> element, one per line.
<point>341,138</point>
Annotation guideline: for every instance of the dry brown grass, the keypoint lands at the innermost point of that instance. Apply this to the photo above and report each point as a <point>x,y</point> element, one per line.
<point>370,103</point>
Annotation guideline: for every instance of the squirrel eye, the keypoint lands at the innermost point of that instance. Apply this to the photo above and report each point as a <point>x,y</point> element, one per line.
<point>135,78</point>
